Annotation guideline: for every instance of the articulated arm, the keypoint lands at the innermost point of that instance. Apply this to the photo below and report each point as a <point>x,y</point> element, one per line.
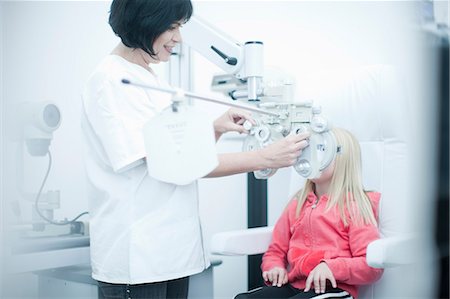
<point>245,62</point>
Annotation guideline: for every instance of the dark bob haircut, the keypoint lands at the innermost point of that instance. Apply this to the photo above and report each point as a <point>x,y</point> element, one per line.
<point>139,22</point>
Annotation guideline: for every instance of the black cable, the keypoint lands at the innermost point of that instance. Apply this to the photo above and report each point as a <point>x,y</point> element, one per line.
<point>36,204</point>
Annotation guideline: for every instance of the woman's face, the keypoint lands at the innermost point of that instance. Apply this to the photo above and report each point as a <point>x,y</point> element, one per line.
<point>164,44</point>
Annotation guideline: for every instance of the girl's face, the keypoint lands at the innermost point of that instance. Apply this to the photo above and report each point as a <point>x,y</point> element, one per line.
<point>326,175</point>
<point>164,44</point>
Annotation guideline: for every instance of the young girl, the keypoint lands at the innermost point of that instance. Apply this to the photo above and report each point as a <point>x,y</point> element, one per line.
<point>318,247</point>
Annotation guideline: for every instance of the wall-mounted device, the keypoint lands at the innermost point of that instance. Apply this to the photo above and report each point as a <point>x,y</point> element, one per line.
<point>40,120</point>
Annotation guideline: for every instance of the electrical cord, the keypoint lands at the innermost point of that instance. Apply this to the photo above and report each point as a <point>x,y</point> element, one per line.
<point>36,204</point>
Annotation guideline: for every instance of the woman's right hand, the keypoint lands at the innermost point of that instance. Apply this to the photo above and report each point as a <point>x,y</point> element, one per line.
<point>284,152</point>
<point>277,276</point>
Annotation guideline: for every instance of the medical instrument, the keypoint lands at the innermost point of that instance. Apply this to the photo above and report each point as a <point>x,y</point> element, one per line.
<point>39,121</point>
<point>295,118</point>
<point>275,121</point>
<point>277,86</point>
<point>179,94</point>
<point>276,114</point>
<point>52,202</point>
<point>182,134</point>
<point>245,62</point>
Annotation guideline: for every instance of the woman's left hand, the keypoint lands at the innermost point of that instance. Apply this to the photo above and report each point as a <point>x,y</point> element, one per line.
<point>232,120</point>
<point>319,275</point>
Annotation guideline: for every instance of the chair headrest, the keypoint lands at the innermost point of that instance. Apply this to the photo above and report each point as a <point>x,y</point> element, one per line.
<point>367,101</point>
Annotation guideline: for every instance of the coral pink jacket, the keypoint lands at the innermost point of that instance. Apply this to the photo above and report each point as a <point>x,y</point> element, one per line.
<point>300,244</point>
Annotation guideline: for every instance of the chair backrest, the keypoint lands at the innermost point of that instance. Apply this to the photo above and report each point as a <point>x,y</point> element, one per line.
<point>368,102</point>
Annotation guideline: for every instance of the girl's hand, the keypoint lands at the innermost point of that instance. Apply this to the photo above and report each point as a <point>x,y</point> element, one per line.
<point>277,276</point>
<point>319,276</point>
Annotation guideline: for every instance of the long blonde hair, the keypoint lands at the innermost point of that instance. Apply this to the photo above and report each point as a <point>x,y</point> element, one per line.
<point>346,188</point>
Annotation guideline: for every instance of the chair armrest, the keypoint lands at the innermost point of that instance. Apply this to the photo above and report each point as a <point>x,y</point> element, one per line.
<point>242,242</point>
<point>391,252</point>
<point>382,253</point>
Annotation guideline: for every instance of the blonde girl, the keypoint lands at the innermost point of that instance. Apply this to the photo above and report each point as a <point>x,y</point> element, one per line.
<point>319,243</point>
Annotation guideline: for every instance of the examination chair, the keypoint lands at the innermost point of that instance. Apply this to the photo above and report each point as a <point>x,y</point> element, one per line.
<point>370,103</point>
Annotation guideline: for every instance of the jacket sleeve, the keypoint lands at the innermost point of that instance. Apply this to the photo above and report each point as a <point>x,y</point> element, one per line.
<point>276,254</point>
<point>355,270</point>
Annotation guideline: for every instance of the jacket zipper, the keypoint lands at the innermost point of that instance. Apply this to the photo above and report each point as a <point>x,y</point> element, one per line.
<point>314,205</point>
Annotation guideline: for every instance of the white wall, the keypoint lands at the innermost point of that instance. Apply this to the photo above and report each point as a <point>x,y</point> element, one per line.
<point>49,49</point>
<point>49,52</point>
<point>1,146</point>
<point>1,113</point>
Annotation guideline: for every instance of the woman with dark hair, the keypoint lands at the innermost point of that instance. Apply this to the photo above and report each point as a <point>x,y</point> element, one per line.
<point>145,234</point>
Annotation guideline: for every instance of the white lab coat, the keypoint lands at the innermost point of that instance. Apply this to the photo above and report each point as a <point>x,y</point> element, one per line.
<point>142,230</point>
